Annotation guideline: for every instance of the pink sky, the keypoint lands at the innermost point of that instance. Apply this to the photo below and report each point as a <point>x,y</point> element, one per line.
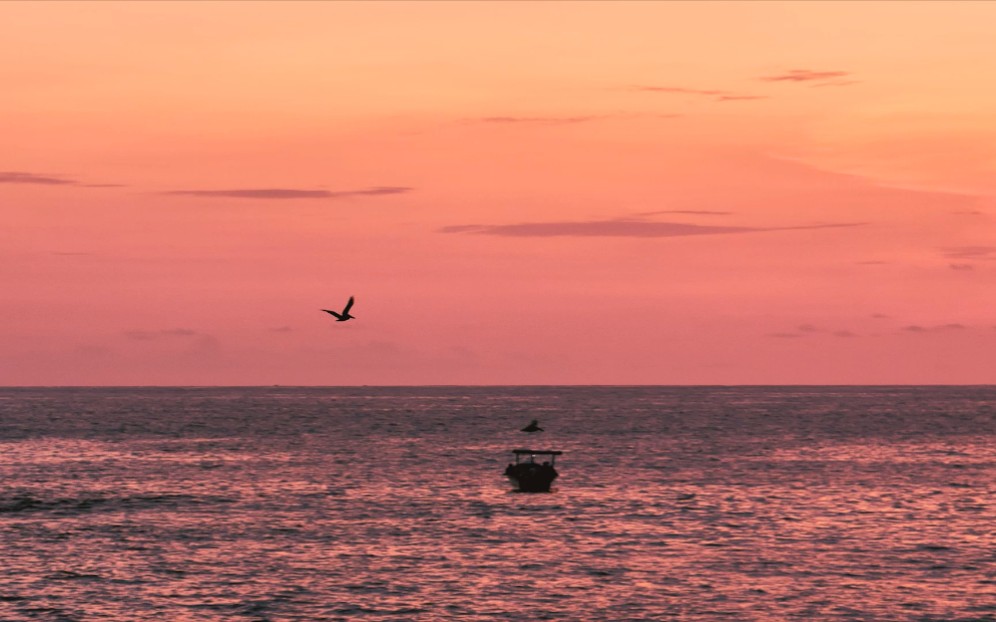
<point>516,193</point>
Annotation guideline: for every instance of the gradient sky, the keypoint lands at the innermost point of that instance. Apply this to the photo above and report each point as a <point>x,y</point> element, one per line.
<point>516,193</point>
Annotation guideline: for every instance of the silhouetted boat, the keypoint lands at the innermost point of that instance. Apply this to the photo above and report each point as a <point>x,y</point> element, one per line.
<point>527,475</point>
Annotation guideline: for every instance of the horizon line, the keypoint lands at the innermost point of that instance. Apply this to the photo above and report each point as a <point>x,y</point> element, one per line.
<point>417,386</point>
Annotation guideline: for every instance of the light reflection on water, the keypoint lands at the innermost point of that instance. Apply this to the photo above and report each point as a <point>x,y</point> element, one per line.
<point>388,504</point>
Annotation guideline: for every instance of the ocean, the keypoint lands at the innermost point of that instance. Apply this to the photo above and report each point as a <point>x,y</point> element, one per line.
<point>373,503</point>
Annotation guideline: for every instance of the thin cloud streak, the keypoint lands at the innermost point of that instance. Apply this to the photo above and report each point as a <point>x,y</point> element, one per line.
<point>738,98</point>
<point>290,193</point>
<point>20,177</point>
<point>805,330</point>
<point>195,343</point>
<point>567,120</point>
<point>835,83</point>
<point>982,253</point>
<point>539,120</point>
<point>715,94</point>
<point>693,212</point>
<point>915,328</point>
<point>14,177</point>
<point>804,75</point>
<point>618,228</point>
<point>150,335</point>
<point>678,89</point>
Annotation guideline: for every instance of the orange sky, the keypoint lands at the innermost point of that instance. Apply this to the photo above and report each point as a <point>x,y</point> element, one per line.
<point>516,193</point>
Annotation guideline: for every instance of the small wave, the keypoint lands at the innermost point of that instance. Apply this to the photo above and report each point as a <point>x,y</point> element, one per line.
<point>354,610</point>
<point>71,575</point>
<point>27,503</point>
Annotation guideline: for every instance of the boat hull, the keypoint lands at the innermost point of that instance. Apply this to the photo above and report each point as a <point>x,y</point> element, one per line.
<point>529,477</point>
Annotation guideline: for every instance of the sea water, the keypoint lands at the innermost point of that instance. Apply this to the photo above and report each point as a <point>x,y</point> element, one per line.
<point>684,503</point>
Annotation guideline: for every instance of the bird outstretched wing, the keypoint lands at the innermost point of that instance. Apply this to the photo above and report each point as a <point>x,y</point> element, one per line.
<point>339,317</point>
<point>349,305</point>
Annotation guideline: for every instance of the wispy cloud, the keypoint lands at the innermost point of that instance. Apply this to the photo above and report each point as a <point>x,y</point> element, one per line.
<point>693,212</point>
<point>739,98</point>
<point>679,89</point>
<point>979,253</point>
<point>835,83</point>
<point>715,94</point>
<point>190,341</point>
<point>963,267</point>
<point>151,335</point>
<point>18,177</point>
<point>804,75</point>
<point>291,193</point>
<point>539,120</point>
<point>524,121</point>
<point>806,330</point>
<point>14,177</point>
<point>619,228</point>
<point>915,328</point>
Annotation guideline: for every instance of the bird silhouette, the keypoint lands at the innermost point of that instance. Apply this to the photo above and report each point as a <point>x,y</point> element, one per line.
<point>532,427</point>
<point>342,317</point>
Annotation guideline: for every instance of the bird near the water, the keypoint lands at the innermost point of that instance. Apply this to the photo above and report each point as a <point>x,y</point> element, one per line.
<point>533,426</point>
<point>342,317</point>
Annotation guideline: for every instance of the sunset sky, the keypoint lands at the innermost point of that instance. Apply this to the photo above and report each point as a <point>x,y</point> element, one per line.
<point>515,193</point>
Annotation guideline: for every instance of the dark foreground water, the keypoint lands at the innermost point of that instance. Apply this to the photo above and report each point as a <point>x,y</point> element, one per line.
<point>774,503</point>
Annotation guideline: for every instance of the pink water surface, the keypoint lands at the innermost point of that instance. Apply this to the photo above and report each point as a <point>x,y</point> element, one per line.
<point>708,503</point>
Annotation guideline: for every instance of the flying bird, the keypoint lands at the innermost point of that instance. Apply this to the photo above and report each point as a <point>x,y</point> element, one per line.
<point>342,317</point>
<point>533,426</point>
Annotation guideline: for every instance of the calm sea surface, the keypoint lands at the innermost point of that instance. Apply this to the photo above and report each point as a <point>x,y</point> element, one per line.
<point>759,503</point>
